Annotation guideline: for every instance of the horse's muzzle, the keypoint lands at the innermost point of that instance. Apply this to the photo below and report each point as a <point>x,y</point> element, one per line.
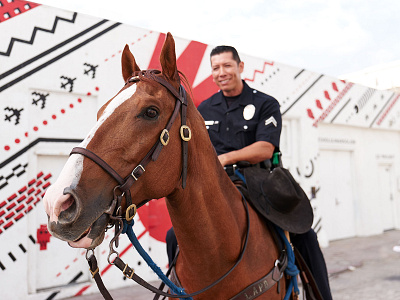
<point>68,221</point>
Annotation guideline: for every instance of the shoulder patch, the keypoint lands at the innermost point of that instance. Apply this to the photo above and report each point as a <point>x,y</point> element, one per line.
<point>271,120</point>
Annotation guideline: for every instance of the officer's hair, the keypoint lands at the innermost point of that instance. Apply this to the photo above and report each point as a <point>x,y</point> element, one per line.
<point>223,49</point>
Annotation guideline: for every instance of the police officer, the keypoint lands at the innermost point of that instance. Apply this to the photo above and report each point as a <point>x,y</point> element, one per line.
<point>245,125</point>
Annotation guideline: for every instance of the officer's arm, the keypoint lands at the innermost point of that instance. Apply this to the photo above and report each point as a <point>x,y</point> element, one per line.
<point>254,153</point>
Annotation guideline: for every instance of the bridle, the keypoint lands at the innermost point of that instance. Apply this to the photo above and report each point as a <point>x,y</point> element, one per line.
<point>124,184</point>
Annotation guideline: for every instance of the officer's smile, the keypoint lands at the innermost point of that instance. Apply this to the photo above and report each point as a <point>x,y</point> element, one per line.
<point>225,81</point>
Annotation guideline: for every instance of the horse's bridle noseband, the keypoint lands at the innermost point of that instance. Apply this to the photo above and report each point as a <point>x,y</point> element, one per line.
<point>124,184</point>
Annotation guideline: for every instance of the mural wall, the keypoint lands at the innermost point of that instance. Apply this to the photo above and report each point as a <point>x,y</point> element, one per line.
<point>58,67</point>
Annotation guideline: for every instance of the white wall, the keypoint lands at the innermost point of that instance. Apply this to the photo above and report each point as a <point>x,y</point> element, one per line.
<point>371,149</point>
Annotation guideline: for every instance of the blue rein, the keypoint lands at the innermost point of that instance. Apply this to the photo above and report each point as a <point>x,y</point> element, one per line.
<point>291,269</point>
<point>156,269</point>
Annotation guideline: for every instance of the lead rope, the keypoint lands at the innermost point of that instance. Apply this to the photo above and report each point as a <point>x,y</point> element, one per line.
<point>291,269</point>
<point>156,269</point>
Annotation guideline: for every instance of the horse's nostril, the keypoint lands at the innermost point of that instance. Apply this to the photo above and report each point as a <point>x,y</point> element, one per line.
<point>67,203</point>
<point>68,210</point>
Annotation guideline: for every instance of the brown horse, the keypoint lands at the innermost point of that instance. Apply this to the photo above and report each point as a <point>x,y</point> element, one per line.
<point>208,215</point>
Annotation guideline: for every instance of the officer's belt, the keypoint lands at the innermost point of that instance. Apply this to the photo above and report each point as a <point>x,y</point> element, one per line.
<point>230,169</point>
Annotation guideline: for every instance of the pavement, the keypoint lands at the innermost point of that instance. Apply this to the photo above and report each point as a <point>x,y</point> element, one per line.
<point>359,268</point>
<point>365,267</point>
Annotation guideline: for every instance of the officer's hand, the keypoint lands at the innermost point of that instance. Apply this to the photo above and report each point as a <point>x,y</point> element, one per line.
<point>223,159</point>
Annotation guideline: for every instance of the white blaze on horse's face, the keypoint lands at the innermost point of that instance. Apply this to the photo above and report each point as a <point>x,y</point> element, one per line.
<point>55,201</point>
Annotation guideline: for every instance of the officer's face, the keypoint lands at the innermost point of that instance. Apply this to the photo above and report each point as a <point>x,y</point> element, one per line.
<point>226,73</point>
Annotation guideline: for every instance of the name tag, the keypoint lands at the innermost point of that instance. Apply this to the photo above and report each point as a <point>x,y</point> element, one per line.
<point>210,123</point>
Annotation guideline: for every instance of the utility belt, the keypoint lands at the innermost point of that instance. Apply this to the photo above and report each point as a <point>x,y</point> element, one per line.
<point>230,169</point>
<point>268,164</point>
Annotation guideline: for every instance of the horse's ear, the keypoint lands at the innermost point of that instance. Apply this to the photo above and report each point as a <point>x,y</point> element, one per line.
<point>168,59</point>
<point>128,63</point>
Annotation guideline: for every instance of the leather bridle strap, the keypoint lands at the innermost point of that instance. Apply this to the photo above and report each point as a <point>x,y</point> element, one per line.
<point>185,136</point>
<point>124,184</point>
<point>128,272</point>
<point>184,130</point>
<point>99,161</point>
<point>94,269</point>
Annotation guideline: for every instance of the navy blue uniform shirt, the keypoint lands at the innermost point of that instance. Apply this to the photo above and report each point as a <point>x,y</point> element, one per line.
<point>252,117</point>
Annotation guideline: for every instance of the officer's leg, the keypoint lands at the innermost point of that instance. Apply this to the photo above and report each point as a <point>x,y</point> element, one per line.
<point>307,244</point>
<point>172,244</point>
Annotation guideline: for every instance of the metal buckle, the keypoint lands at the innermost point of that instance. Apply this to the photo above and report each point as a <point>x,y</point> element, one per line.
<point>186,139</point>
<point>277,262</point>
<point>127,213</point>
<point>135,169</point>
<point>87,252</point>
<point>277,271</point>
<point>163,133</point>
<point>123,272</point>
<point>230,169</point>
<point>134,79</point>
<point>112,251</point>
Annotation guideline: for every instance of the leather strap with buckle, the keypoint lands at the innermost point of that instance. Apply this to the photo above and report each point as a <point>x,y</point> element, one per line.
<point>264,284</point>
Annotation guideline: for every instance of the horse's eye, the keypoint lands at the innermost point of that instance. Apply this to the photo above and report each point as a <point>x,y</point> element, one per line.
<point>151,113</point>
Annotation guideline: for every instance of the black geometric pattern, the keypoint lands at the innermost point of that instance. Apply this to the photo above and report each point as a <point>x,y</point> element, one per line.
<point>35,30</point>
<point>14,113</point>
<point>41,97</point>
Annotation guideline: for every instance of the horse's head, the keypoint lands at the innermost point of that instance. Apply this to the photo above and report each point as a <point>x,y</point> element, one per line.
<point>129,133</point>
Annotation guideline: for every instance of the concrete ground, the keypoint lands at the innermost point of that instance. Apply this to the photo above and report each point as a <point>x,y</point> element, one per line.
<point>365,267</point>
<point>359,268</point>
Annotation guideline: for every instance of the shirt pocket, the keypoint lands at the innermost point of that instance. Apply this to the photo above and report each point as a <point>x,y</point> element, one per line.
<point>245,132</point>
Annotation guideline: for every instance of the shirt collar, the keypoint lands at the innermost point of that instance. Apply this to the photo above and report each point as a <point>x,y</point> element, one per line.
<point>244,98</point>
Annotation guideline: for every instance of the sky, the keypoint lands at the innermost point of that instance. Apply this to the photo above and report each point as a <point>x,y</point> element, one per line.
<point>333,37</point>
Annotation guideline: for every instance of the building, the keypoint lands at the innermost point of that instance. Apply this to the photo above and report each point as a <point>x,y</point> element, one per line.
<point>340,140</point>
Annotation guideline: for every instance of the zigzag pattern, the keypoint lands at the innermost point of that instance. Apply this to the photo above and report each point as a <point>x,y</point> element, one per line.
<point>258,71</point>
<point>35,30</point>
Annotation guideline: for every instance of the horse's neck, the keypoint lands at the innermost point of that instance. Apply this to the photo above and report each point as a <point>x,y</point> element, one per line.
<point>208,216</point>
